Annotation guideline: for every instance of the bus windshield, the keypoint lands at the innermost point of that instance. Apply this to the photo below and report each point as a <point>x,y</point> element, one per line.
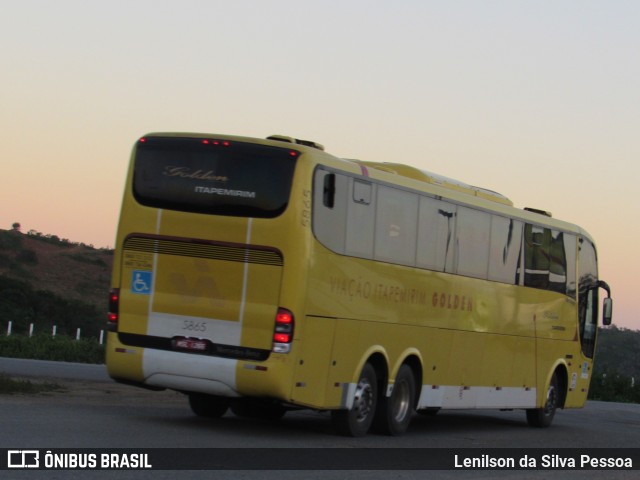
<point>213,177</point>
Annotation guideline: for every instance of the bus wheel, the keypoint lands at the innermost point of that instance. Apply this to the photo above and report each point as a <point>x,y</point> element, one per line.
<point>542,417</point>
<point>356,421</point>
<point>208,406</point>
<point>394,413</point>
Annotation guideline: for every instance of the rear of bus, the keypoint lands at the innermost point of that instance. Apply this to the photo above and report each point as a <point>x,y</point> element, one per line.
<point>197,301</point>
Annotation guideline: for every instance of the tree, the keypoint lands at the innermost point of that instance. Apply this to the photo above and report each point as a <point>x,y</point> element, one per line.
<point>16,227</point>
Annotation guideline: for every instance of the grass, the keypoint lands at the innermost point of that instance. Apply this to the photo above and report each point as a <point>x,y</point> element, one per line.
<point>9,386</point>
<point>45,347</point>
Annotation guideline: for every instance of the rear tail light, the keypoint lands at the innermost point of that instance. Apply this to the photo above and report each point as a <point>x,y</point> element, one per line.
<point>112,316</point>
<point>283,332</point>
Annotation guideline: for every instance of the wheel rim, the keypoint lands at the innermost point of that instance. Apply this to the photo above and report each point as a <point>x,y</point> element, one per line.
<point>402,401</point>
<point>363,401</point>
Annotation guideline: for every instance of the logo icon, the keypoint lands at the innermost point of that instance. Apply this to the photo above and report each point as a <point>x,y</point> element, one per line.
<point>23,459</point>
<point>141,282</point>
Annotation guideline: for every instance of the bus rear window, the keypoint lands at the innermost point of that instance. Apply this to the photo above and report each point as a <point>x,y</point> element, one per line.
<point>214,177</point>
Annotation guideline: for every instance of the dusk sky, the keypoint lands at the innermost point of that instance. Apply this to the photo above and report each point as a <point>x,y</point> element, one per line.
<point>538,100</point>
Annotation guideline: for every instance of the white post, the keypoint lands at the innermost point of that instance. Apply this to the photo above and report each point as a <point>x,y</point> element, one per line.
<point>30,330</point>
<point>101,336</point>
<point>53,333</point>
<point>9,328</point>
<point>78,334</point>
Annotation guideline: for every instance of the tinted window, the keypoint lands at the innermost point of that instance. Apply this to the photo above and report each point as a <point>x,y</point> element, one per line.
<point>570,245</point>
<point>361,211</point>
<point>587,296</point>
<point>436,227</point>
<point>330,212</point>
<point>536,256</point>
<point>238,179</point>
<point>396,226</point>
<point>557,263</point>
<point>504,255</point>
<point>473,228</point>
<point>364,219</point>
<point>549,259</point>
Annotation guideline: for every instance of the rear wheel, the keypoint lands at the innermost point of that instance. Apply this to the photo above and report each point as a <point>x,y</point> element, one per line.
<point>394,413</point>
<point>356,421</point>
<point>542,417</point>
<point>209,406</point>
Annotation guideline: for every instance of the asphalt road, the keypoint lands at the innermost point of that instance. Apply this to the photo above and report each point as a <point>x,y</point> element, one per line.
<point>45,368</point>
<point>93,412</point>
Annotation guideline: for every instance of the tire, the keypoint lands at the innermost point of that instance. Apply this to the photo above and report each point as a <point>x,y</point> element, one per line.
<point>208,406</point>
<point>542,417</point>
<point>394,413</point>
<point>357,421</point>
<point>266,410</point>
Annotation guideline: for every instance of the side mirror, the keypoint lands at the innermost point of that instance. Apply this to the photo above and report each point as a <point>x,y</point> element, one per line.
<point>607,311</point>
<point>607,306</point>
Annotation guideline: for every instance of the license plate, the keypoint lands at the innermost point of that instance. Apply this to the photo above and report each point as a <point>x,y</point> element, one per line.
<point>191,344</point>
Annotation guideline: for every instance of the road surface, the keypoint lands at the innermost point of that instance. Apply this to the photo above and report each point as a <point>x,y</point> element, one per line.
<point>93,412</point>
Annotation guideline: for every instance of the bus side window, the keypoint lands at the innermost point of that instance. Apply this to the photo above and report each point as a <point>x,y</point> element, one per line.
<point>557,263</point>
<point>473,229</point>
<point>536,256</point>
<point>504,255</point>
<point>329,216</point>
<point>587,296</point>
<point>570,248</point>
<point>361,211</point>
<point>436,234</point>
<point>396,226</point>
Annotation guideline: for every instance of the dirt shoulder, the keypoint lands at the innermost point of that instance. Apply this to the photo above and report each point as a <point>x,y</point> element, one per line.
<point>96,393</point>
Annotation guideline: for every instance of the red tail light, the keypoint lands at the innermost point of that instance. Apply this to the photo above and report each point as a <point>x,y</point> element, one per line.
<point>283,333</point>
<point>114,302</point>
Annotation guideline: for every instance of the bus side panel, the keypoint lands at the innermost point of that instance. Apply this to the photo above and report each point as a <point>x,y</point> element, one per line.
<point>270,379</point>
<point>313,362</point>
<point>580,378</point>
<point>566,356</point>
<point>558,347</point>
<point>509,361</point>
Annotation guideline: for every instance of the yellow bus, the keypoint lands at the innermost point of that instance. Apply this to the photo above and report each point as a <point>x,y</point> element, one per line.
<point>262,275</point>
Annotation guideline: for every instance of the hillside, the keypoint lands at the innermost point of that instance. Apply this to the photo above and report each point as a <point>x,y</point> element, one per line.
<point>616,374</point>
<point>41,276</point>
<point>619,350</point>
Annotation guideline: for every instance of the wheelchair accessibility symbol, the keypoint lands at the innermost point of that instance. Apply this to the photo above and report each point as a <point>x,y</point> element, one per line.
<point>141,282</point>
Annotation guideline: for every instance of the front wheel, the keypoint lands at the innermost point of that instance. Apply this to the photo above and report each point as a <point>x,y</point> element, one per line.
<point>356,421</point>
<point>394,413</point>
<point>208,406</point>
<point>542,417</point>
